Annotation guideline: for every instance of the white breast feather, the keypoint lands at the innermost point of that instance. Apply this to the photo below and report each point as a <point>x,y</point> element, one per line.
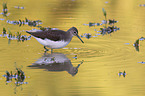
<point>52,44</point>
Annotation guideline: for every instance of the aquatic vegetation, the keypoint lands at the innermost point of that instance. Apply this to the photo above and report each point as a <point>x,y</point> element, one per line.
<point>5,9</point>
<point>142,5</point>
<point>92,24</point>
<point>4,6</point>
<point>18,77</point>
<point>104,22</point>
<point>112,21</point>
<point>16,36</point>
<point>136,45</point>
<point>87,35</point>
<point>19,37</point>
<point>2,19</point>
<point>4,32</point>
<point>18,7</point>
<point>108,25</point>
<point>142,62</point>
<point>46,28</point>
<point>127,43</point>
<point>75,57</point>
<point>105,14</point>
<point>10,34</point>
<point>108,30</point>
<point>43,29</point>
<point>26,22</point>
<point>142,38</point>
<point>122,73</point>
<point>33,23</point>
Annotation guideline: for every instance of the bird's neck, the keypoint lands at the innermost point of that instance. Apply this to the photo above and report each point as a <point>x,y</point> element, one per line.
<point>69,35</point>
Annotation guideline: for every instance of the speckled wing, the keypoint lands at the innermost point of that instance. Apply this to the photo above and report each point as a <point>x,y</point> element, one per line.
<point>55,35</point>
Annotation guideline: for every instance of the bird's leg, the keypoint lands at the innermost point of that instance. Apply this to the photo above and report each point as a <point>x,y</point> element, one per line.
<point>51,50</point>
<point>80,64</point>
<point>46,49</point>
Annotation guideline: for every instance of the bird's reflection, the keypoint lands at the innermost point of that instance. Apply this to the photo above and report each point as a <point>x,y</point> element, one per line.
<point>56,62</point>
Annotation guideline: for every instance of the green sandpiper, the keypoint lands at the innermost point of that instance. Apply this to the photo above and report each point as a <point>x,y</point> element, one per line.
<point>55,39</point>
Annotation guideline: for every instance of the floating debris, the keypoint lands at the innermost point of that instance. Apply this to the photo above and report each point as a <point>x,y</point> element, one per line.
<point>122,73</point>
<point>136,45</point>
<point>18,7</point>
<point>26,22</point>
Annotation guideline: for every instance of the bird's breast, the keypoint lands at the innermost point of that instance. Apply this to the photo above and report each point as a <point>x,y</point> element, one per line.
<point>52,44</point>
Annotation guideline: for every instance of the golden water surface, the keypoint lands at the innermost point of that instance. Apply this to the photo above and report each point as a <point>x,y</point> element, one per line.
<point>104,56</point>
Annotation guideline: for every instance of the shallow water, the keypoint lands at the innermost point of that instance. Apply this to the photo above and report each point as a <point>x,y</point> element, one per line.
<point>88,69</point>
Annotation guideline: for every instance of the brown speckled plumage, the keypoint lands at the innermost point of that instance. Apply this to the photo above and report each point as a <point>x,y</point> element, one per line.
<point>55,35</point>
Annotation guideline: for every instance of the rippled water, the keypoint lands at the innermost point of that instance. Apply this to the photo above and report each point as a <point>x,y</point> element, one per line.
<point>90,69</point>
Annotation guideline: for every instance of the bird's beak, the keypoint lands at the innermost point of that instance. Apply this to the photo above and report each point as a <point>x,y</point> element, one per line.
<point>79,38</point>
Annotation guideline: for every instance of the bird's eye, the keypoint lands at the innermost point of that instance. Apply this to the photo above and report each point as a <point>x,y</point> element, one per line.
<point>75,32</point>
